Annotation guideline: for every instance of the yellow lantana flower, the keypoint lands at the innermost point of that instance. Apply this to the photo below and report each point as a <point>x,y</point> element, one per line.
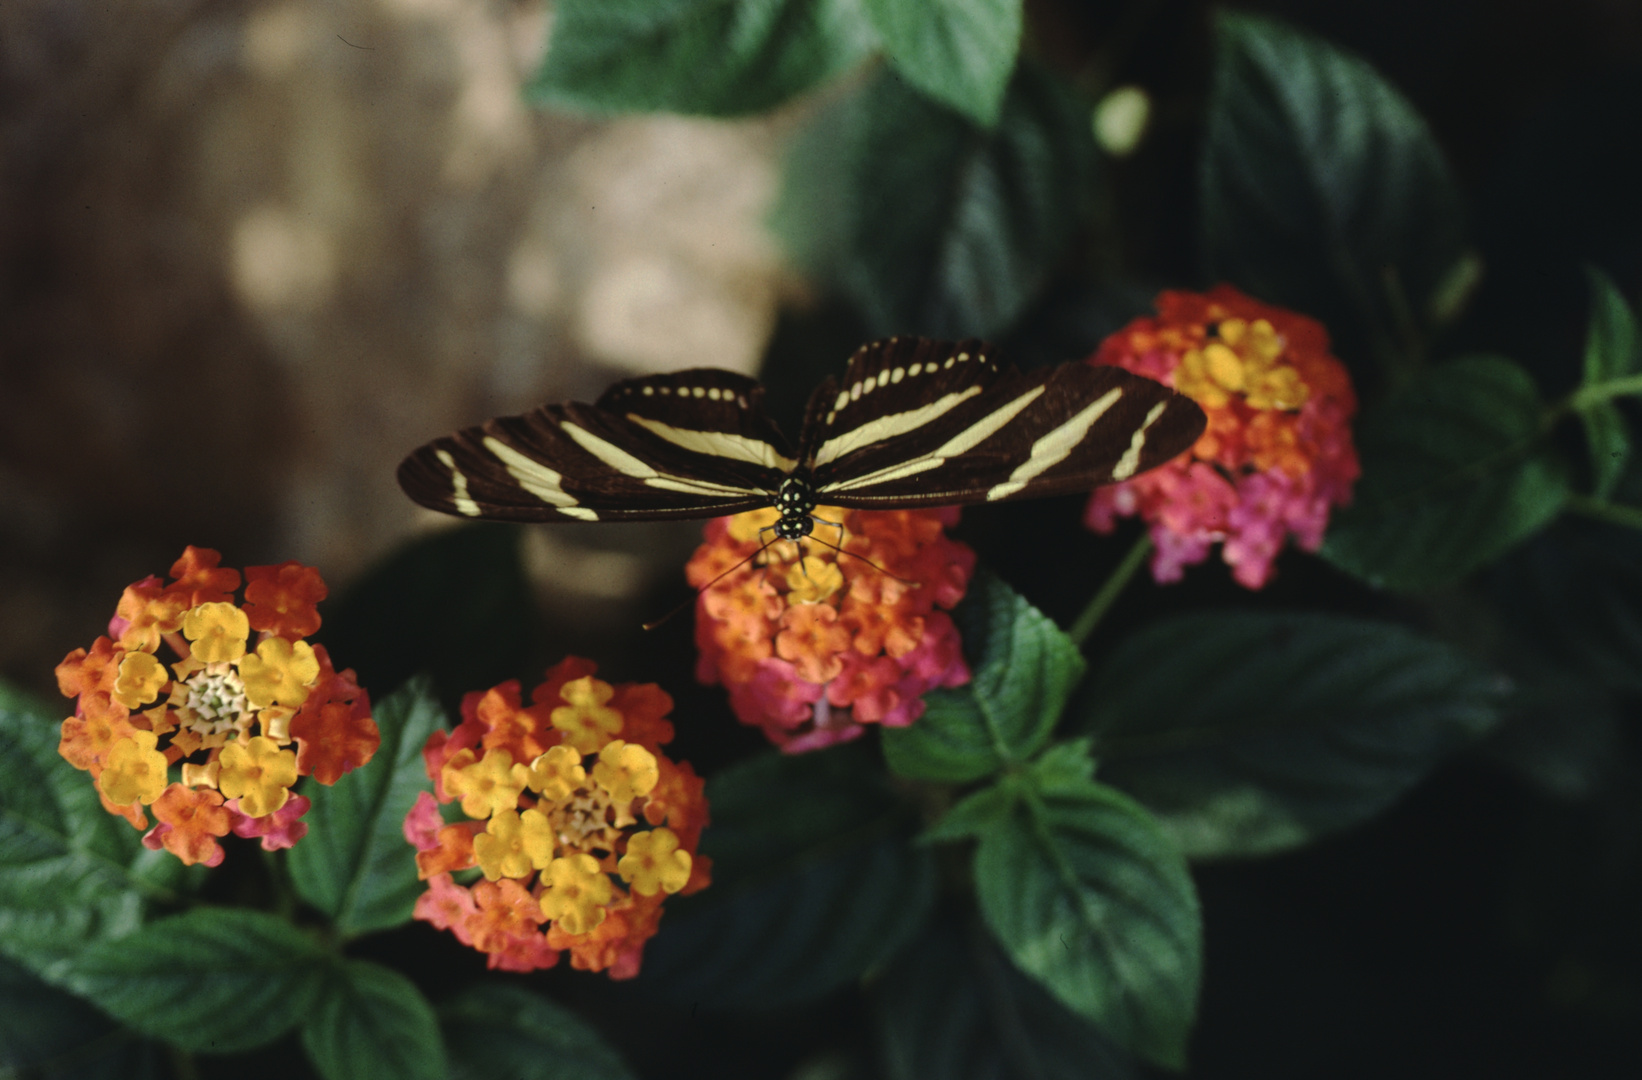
<point>135,771</point>
<point>576,894</point>
<point>257,773</point>
<point>654,862</point>
<point>586,721</point>
<point>216,632</point>
<point>279,673</point>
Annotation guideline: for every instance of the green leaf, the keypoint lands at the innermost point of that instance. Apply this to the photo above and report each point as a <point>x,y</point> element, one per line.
<point>1023,668</point>
<point>354,864</point>
<point>214,980</point>
<point>816,883</point>
<point>954,1008</point>
<point>372,1021</point>
<point>70,872</point>
<point>1456,472</point>
<point>1322,188</point>
<point>717,57</point>
<point>1254,732</point>
<point>1088,895</point>
<point>1613,351</point>
<point>1613,347</point>
<point>1609,438</point>
<point>927,223</point>
<point>959,52</point>
<point>46,1033</point>
<point>501,1030</point>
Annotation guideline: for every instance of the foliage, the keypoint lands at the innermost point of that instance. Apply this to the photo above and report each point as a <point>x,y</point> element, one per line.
<point>1008,879</point>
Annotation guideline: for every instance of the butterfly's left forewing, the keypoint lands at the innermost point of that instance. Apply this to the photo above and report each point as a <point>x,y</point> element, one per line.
<point>956,428</point>
<point>683,445</point>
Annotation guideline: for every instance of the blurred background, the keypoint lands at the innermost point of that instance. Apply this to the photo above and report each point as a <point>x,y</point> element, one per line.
<point>253,252</point>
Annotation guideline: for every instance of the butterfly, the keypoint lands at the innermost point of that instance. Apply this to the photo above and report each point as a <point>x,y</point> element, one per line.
<point>913,422</point>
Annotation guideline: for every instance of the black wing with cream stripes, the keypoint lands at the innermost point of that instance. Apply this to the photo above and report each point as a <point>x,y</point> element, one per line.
<point>912,422</point>
<point>920,422</point>
<point>685,445</point>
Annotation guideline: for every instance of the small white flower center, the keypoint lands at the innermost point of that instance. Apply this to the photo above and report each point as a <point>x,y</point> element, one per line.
<point>216,702</point>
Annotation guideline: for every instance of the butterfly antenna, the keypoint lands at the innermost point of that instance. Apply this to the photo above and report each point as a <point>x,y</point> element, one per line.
<point>863,558</point>
<point>665,618</point>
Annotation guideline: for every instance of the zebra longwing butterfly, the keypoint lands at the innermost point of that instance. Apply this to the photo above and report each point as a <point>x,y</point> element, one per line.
<point>914,422</point>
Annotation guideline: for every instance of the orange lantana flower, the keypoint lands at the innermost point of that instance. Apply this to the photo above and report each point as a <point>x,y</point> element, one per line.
<point>813,643</point>
<point>578,826</point>
<point>213,739</point>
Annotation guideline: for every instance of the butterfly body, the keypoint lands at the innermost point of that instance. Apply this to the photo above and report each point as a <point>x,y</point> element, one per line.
<point>912,422</point>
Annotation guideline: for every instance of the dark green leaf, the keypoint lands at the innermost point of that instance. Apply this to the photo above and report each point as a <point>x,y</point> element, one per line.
<point>1322,189</point>
<point>1609,438</point>
<point>46,1034</point>
<point>959,52</point>
<point>954,1008</point>
<point>927,223</point>
<point>1613,351</point>
<point>1252,732</point>
<point>815,884</point>
<point>719,57</point>
<point>216,980</point>
<point>372,1021</point>
<point>354,864</point>
<point>70,872</point>
<point>1613,348</point>
<point>497,1030</point>
<point>1456,471</point>
<point>1024,669</point>
<point>1087,894</point>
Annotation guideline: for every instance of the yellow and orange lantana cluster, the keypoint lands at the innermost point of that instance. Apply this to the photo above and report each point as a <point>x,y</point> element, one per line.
<point>812,643</point>
<point>212,740</point>
<point>571,816</point>
<point>1277,454</point>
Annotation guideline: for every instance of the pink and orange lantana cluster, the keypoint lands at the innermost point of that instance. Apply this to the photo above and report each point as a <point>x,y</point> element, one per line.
<point>236,718</point>
<point>559,799</point>
<point>1277,454</point>
<point>813,644</point>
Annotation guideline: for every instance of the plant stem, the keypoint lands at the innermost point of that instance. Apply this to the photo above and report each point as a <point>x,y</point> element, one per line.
<point>1602,510</point>
<point>1604,391</point>
<point>1109,590</point>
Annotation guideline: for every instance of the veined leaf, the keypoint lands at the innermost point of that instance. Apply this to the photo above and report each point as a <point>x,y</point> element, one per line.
<point>1322,188</point>
<point>1023,668</point>
<point>216,980</point>
<point>955,1008</point>
<point>815,884</point>
<point>372,1021</point>
<point>717,57</point>
<point>927,223</point>
<point>959,52</point>
<point>354,864</point>
<point>70,872</point>
<point>1250,732</point>
<point>502,1030</point>
<point>1088,895</point>
<point>1456,471</point>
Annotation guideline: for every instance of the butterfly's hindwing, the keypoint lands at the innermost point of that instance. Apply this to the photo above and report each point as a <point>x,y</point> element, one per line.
<point>665,453</point>
<point>995,434</point>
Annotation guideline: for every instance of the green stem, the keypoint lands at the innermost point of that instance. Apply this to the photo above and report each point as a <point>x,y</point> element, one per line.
<point>1109,591</point>
<point>1602,510</point>
<point>1596,393</point>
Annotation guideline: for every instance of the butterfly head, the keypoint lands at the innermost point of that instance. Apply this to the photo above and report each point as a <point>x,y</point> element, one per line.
<point>795,501</point>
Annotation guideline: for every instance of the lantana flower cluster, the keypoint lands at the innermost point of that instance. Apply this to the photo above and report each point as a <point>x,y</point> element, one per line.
<point>812,643</point>
<point>212,740</point>
<point>1277,453</point>
<point>572,815</point>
